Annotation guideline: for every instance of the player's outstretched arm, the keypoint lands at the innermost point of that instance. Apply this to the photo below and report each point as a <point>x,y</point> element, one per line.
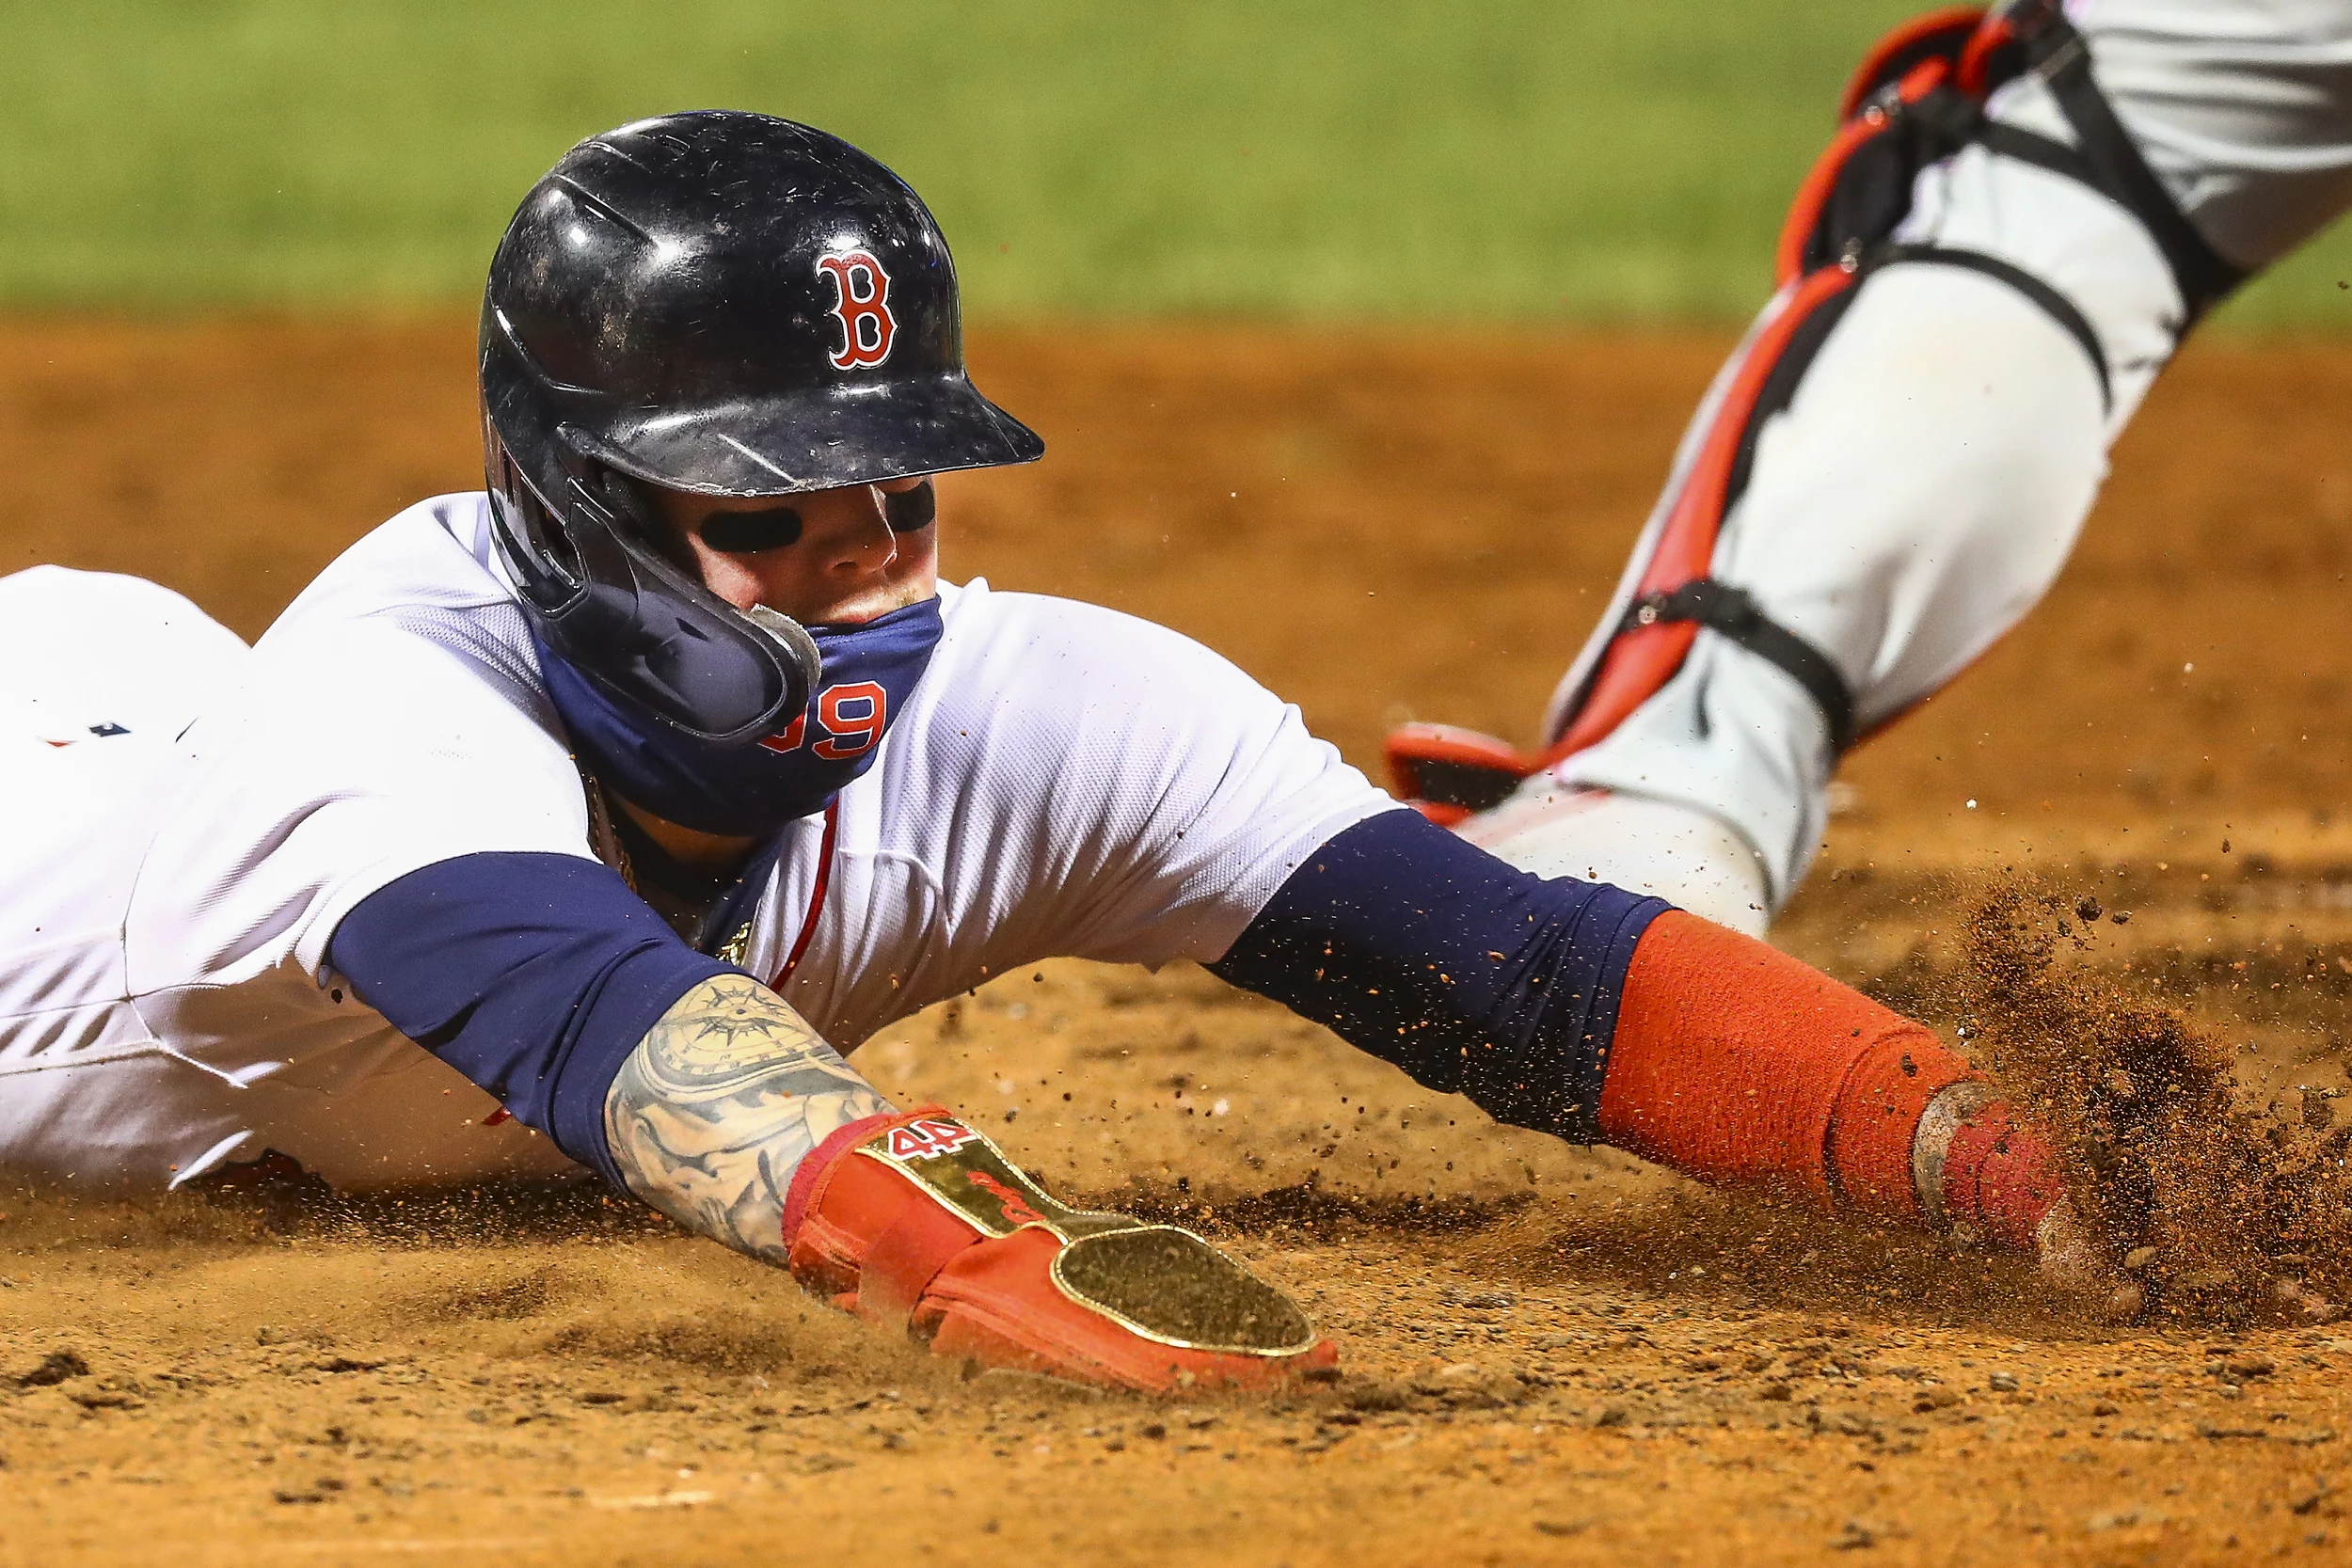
<point>687,1082</point>
<point>720,1102</point>
<point>733,1117</point>
<point>1584,1010</point>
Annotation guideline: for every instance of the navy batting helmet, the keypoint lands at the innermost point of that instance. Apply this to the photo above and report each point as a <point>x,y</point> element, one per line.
<point>729,305</point>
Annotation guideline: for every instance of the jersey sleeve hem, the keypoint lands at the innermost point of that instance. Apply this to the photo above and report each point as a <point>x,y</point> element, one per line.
<point>1226,910</point>
<point>314,949</point>
<point>535,975</point>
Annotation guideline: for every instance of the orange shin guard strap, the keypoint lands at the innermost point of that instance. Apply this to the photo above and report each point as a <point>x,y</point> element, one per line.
<point>1737,1064</point>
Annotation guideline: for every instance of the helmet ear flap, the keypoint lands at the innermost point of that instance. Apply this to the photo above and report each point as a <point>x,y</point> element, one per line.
<point>533,542</point>
<point>795,653</point>
<point>633,514</point>
<point>628,615</point>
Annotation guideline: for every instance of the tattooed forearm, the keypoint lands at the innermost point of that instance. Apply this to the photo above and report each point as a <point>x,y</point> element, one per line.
<point>718,1104</point>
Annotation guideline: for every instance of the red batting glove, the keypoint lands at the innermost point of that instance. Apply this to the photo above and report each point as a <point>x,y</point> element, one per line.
<point>920,1222</point>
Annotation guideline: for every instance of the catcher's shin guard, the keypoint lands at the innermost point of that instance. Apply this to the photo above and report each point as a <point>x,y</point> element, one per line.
<point>1917,98</point>
<point>918,1222</point>
<point>1666,594</point>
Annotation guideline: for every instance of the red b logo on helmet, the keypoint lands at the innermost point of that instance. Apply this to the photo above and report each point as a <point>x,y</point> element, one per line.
<point>863,309</point>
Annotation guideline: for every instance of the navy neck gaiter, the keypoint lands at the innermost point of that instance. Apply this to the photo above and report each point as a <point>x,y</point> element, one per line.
<point>869,671</point>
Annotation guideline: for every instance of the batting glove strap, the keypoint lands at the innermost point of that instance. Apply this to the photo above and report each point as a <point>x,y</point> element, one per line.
<point>853,1235</point>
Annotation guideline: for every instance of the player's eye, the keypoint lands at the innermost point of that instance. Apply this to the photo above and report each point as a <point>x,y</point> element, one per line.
<point>910,511</point>
<point>749,533</point>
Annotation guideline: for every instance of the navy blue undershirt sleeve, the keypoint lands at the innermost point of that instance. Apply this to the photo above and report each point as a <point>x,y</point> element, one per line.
<point>533,974</point>
<point>1472,975</point>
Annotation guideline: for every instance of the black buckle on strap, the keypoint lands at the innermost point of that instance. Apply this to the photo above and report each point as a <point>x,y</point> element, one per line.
<point>1733,613</point>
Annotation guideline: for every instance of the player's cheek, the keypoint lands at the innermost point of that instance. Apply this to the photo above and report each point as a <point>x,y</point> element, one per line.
<point>917,552</point>
<point>733,579</point>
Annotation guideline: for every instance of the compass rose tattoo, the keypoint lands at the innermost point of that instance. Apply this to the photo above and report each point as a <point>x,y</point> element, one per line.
<point>720,1102</point>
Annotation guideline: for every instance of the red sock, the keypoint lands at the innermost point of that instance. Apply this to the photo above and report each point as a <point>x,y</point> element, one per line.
<point>1734,1064</point>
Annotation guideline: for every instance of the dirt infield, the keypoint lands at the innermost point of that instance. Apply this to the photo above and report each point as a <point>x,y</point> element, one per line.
<point>1553,1355</point>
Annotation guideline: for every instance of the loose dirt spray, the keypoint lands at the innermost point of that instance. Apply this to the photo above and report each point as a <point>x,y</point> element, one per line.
<point>2222,1210</point>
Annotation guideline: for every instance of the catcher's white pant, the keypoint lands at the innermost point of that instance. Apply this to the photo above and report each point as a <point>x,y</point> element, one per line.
<point>1927,480</point>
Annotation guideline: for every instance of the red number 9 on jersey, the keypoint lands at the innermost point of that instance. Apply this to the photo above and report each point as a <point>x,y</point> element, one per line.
<point>853,717</point>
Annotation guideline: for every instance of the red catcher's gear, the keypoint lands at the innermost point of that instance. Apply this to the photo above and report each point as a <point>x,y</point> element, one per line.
<point>918,1222</point>
<point>1449,774</point>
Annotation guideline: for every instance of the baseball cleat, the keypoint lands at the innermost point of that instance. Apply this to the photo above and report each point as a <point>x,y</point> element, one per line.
<point>920,1223</point>
<point>1448,773</point>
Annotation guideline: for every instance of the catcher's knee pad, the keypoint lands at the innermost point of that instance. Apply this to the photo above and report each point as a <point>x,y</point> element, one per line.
<point>1918,98</point>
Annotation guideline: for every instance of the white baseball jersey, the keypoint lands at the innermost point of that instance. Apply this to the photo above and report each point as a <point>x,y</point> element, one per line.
<point>1065,781</point>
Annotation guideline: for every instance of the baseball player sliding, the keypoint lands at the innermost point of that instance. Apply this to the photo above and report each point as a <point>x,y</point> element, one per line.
<point>2021,215</point>
<point>586,821</point>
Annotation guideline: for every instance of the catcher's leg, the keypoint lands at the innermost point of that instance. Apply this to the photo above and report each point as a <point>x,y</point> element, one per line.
<point>1909,465</point>
<point>1917,496</point>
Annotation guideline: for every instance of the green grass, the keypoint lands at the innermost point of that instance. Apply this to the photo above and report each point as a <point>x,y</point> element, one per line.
<point>1316,158</point>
